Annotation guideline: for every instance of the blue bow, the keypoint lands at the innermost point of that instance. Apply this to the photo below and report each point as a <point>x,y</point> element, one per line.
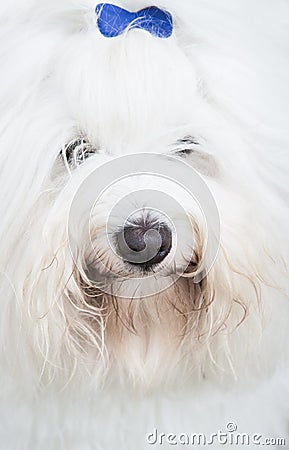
<point>113,20</point>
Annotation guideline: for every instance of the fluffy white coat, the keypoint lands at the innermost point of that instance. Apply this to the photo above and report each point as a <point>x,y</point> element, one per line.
<point>221,78</point>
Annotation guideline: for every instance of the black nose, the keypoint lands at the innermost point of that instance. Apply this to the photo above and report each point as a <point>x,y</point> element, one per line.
<point>145,243</point>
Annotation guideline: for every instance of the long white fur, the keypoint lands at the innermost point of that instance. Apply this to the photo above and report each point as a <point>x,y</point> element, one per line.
<point>222,78</point>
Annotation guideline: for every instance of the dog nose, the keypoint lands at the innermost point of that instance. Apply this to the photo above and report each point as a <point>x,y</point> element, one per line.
<point>145,243</point>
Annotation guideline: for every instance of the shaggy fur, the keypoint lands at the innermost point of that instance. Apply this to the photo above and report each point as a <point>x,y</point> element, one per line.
<point>86,369</point>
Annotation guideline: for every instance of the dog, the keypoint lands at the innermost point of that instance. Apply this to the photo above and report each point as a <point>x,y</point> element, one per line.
<point>144,199</point>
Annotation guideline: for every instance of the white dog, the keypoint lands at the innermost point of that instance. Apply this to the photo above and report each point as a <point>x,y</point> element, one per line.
<point>144,226</point>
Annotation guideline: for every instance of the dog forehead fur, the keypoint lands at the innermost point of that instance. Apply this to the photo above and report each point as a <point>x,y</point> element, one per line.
<point>83,371</point>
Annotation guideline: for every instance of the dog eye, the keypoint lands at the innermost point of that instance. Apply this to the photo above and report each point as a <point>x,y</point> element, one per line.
<point>187,141</point>
<point>186,146</point>
<point>203,162</point>
<point>184,152</point>
<point>75,152</point>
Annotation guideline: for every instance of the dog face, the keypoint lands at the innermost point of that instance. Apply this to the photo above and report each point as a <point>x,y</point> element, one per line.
<point>108,259</point>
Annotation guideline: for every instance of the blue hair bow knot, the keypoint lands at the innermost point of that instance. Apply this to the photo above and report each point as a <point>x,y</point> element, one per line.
<point>113,20</point>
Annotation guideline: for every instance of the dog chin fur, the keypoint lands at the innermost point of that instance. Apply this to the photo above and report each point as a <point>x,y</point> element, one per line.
<point>83,369</point>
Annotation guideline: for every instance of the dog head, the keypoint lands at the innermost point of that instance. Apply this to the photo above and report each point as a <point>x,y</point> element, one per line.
<point>137,238</point>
